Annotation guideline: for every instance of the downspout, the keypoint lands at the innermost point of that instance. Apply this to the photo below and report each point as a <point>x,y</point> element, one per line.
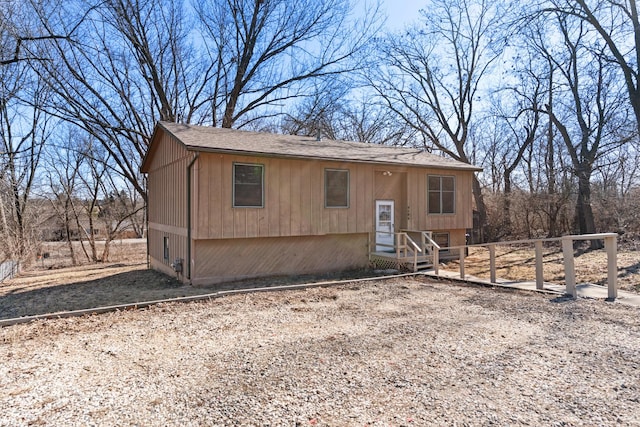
<point>145,230</point>
<point>189,166</point>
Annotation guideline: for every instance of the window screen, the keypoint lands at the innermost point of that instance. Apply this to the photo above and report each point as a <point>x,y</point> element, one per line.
<point>336,188</point>
<point>441,197</point>
<point>248,185</point>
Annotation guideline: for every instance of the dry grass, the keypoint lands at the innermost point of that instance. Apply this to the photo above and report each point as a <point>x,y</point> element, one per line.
<point>58,255</point>
<point>518,263</point>
<point>52,285</point>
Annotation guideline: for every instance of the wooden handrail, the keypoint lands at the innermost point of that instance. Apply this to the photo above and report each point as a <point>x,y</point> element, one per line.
<point>436,250</point>
<point>403,244</point>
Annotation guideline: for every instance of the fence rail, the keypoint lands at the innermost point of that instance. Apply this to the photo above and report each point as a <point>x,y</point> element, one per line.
<point>610,247</point>
<point>8,269</point>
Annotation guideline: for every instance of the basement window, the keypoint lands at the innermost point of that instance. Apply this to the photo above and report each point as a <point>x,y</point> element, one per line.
<point>441,194</point>
<point>248,185</point>
<point>442,239</point>
<point>165,248</point>
<point>336,188</point>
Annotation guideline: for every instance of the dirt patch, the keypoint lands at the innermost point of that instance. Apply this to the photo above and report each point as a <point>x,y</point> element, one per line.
<point>387,352</point>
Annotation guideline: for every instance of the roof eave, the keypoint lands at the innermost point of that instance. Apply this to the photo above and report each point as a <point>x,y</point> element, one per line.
<point>195,148</point>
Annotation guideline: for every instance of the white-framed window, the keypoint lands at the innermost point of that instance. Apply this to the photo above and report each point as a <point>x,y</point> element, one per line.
<point>441,192</point>
<point>336,188</point>
<point>248,185</point>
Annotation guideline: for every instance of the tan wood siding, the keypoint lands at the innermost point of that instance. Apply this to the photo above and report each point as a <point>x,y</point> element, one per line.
<point>393,187</point>
<point>463,216</point>
<point>294,232</point>
<point>167,187</point>
<point>232,259</point>
<point>294,199</point>
<point>177,249</point>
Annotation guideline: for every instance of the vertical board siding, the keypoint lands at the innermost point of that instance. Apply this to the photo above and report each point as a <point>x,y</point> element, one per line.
<point>294,199</point>
<point>462,218</point>
<point>242,242</point>
<point>167,187</point>
<point>177,249</point>
<point>285,211</point>
<point>167,201</point>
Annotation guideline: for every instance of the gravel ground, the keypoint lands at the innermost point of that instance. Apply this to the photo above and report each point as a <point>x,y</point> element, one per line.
<point>395,352</point>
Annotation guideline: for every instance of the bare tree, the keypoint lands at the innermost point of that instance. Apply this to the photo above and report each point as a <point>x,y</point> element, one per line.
<point>269,51</point>
<point>618,25</point>
<point>18,39</point>
<point>433,75</point>
<point>318,114</point>
<point>127,64</point>
<point>518,118</point>
<point>62,171</point>
<point>586,105</point>
<point>24,129</point>
<point>368,122</point>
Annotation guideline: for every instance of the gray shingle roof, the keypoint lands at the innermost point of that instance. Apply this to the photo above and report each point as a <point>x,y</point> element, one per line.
<point>212,139</point>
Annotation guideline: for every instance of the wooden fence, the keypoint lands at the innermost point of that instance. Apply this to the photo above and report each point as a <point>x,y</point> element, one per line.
<point>610,246</point>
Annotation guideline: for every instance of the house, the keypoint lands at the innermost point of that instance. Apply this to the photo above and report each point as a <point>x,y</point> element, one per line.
<point>227,204</point>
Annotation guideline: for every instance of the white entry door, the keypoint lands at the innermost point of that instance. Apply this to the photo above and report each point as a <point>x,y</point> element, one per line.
<point>384,226</point>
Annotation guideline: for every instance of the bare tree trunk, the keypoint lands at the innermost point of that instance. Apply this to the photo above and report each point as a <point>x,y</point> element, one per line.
<point>481,208</point>
<point>506,204</point>
<point>584,211</point>
<point>553,209</point>
<point>67,229</point>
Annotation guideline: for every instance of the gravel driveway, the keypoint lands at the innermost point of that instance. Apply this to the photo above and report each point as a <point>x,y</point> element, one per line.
<point>397,352</point>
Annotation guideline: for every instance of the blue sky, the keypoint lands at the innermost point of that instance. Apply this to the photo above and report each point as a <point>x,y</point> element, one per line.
<point>401,12</point>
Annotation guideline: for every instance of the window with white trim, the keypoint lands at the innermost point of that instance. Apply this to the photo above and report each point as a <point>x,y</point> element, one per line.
<point>441,192</point>
<point>336,188</point>
<point>248,185</point>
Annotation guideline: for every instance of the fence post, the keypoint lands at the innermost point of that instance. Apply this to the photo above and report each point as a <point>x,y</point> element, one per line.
<point>569,270</point>
<point>539,272</point>
<point>436,260</point>
<point>610,245</point>
<point>461,263</point>
<point>492,263</point>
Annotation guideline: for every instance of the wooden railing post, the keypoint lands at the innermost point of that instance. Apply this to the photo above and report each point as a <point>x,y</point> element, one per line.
<point>610,245</point>
<point>461,263</point>
<point>569,270</point>
<point>492,262</point>
<point>539,271</point>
